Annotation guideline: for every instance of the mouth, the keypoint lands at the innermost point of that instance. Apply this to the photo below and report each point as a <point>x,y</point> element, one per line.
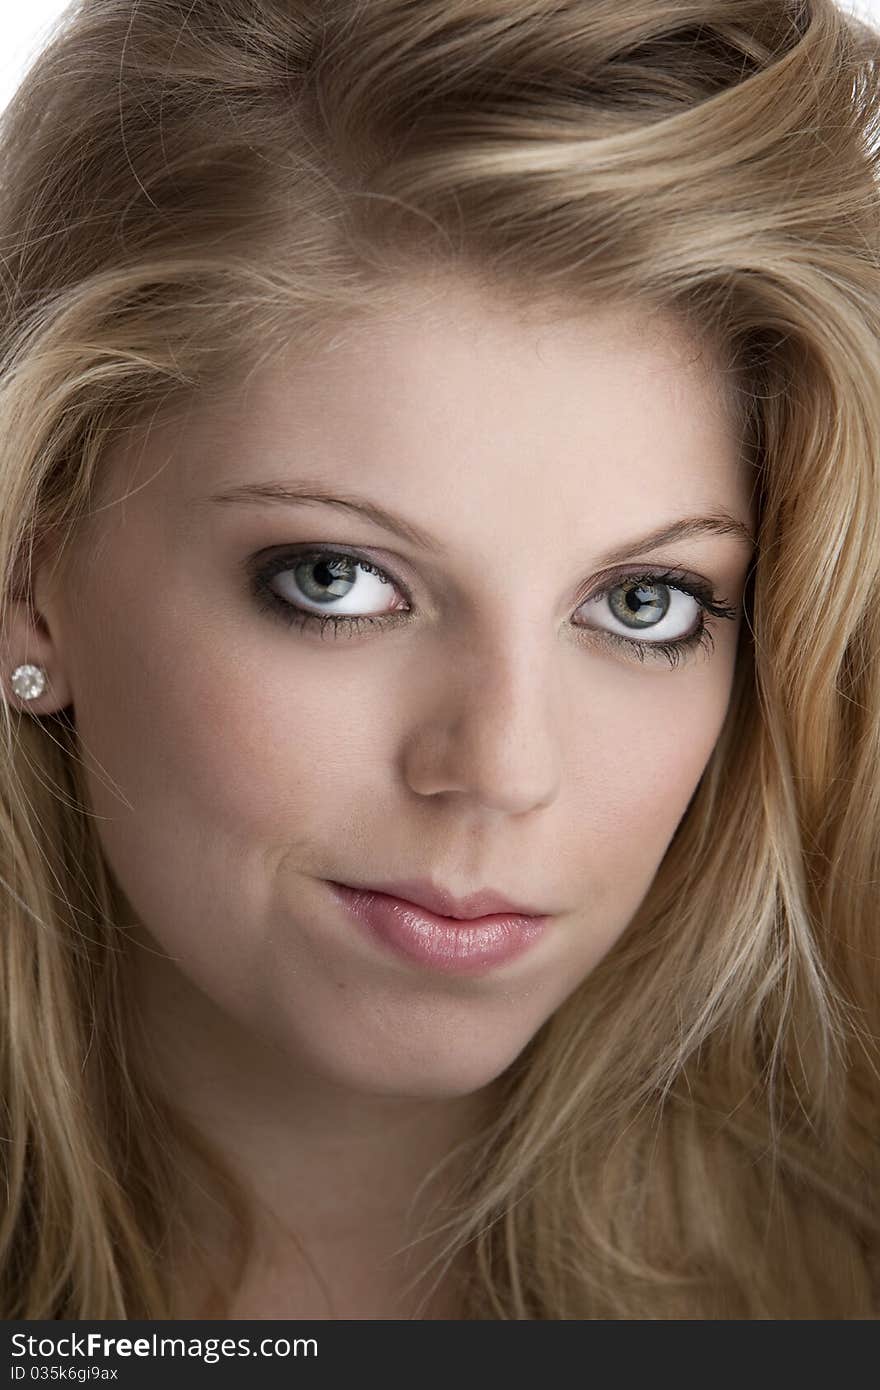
<point>453,945</point>
<point>424,893</point>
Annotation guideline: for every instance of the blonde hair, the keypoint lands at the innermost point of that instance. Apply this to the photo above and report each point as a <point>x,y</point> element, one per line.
<point>187,187</point>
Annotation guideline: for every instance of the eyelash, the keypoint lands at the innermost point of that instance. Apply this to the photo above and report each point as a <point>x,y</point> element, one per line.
<point>271,602</point>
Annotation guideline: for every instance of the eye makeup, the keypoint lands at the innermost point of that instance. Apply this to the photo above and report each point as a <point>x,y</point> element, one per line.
<point>710,607</point>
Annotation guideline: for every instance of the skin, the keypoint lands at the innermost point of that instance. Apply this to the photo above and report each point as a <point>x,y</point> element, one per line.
<point>235,763</point>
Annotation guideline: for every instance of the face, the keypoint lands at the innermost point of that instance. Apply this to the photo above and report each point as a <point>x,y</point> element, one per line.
<point>510,718</point>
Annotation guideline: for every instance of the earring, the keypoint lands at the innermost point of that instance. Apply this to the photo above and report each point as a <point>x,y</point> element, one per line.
<point>28,681</point>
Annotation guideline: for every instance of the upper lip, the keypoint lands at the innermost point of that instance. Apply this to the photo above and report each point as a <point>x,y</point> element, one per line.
<point>421,891</point>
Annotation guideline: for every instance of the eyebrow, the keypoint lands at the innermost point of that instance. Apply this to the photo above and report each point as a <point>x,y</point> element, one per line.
<point>718,523</point>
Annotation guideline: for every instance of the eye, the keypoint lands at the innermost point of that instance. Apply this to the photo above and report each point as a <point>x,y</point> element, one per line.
<point>651,614</point>
<point>646,605</point>
<point>301,585</point>
<point>663,606</point>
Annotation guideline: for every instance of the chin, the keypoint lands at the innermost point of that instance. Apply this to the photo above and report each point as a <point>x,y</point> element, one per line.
<point>437,1077</point>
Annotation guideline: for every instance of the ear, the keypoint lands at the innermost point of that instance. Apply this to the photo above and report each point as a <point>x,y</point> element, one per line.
<point>29,636</point>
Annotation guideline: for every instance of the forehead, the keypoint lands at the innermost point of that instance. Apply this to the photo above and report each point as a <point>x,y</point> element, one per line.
<point>452,384</point>
<point>433,334</point>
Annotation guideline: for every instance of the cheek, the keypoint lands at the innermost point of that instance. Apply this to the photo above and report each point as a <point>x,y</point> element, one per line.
<point>228,764</point>
<point>628,782</point>
<point>635,784</point>
<point>214,789</point>
<point>204,744</point>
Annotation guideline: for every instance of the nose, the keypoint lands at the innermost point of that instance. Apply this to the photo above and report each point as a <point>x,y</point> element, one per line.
<point>490,727</point>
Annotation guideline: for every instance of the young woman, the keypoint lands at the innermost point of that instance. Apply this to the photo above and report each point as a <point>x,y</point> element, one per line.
<point>440,538</point>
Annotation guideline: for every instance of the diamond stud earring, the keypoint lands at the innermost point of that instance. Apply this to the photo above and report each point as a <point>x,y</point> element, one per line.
<point>28,681</point>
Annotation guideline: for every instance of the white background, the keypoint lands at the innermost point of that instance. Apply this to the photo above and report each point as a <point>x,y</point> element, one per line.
<point>24,26</point>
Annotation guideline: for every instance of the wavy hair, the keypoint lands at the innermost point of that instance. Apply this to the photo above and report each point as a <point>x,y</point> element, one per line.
<point>186,186</point>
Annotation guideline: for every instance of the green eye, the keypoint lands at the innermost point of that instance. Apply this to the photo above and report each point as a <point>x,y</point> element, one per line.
<point>639,602</point>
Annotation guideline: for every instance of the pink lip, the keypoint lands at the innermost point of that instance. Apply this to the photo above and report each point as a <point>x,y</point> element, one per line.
<point>441,943</point>
<point>423,893</point>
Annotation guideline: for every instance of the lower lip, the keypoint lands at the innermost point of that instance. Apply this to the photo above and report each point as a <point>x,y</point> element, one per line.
<point>441,943</point>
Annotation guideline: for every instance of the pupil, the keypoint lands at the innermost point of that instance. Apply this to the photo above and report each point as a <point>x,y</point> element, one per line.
<point>634,602</point>
<point>322,571</point>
